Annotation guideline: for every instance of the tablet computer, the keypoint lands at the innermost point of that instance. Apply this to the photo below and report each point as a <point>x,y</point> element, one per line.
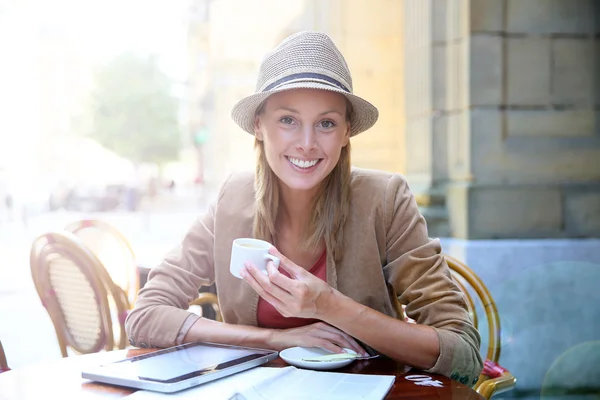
<point>180,367</point>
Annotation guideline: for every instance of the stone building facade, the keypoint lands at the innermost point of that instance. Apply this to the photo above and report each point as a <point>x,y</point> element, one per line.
<point>507,118</point>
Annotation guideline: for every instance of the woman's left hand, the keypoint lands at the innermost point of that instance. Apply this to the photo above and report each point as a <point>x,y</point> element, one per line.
<point>302,296</point>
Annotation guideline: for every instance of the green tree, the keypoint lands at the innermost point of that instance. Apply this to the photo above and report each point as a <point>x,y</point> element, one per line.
<point>134,113</point>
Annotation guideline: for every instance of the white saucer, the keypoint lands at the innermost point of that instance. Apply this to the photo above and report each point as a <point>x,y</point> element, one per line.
<point>294,356</point>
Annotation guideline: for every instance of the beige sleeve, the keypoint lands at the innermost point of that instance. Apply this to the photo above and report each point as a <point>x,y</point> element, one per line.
<point>160,317</point>
<point>421,278</point>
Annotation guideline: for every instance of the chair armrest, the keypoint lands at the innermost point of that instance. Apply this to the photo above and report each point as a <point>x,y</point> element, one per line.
<point>497,385</point>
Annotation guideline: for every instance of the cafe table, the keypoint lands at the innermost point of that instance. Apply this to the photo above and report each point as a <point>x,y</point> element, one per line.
<point>61,379</point>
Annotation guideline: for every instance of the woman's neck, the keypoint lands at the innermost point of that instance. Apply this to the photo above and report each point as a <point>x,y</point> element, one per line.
<point>295,208</point>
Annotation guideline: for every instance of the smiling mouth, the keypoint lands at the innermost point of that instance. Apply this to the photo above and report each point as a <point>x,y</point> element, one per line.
<point>304,164</point>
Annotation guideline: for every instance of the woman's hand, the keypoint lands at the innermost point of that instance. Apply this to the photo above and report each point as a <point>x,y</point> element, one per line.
<point>303,296</point>
<point>318,334</point>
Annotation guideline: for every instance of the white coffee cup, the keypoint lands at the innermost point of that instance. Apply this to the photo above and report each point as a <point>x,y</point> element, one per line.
<point>250,250</point>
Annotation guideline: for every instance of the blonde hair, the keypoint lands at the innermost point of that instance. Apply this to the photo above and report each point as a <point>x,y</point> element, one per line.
<point>330,206</point>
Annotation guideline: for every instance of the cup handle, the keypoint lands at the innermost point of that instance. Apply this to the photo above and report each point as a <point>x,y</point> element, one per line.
<point>274,259</point>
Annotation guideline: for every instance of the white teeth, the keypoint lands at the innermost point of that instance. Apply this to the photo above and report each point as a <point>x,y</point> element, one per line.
<point>302,163</point>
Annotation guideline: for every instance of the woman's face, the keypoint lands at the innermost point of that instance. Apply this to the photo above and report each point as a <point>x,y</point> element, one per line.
<point>303,132</point>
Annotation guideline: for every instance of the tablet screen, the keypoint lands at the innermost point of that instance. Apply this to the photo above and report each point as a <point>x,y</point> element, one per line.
<point>183,362</point>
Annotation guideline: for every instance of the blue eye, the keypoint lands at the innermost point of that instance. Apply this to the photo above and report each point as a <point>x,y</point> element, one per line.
<point>287,120</point>
<point>327,124</point>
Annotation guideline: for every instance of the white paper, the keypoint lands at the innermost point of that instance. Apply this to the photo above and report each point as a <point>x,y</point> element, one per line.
<point>301,384</point>
<point>290,383</point>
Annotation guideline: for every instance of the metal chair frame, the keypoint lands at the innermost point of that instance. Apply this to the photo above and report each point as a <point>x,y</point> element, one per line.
<point>78,227</point>
<point>209,299</point>
<point>464,276</point>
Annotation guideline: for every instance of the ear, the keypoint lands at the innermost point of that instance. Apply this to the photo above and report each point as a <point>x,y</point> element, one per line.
<point>346,137</point>
<point>257,128</point>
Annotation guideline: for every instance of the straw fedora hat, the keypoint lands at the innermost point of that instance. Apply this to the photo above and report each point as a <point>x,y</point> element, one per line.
<point>307,60</point>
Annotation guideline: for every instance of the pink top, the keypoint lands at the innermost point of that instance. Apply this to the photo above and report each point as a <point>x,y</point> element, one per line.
<point>268,317</point>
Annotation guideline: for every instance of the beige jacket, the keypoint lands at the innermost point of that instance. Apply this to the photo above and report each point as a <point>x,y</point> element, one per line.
<point>388,253</point>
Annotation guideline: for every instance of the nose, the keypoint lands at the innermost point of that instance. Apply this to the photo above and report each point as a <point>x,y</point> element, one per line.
<point>308,139</point>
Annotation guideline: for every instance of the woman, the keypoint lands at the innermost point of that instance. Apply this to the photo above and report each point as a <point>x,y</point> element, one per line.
<point>351,241</point>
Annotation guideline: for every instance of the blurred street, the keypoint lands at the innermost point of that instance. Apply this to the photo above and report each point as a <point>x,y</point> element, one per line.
<point>25,328</point>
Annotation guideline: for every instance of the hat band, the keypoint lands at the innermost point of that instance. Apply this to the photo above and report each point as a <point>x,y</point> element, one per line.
<point>306,76</point>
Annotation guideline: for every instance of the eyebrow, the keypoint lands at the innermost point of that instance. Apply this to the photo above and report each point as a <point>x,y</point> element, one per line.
<point>287,109</point>
<point>332,111</point>
<point>297,112</point>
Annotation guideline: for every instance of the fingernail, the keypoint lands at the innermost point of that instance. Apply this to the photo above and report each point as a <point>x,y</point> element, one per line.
<point>243,273</point>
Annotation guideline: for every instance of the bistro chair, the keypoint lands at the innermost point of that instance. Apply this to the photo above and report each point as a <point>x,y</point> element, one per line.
<point>494,379</point>
<point>3,363</point>
<point>114,251</point>
<point>83,302</point>
<point>205,300</point>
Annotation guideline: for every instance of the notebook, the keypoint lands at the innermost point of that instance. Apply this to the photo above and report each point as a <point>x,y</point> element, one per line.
<point>290,383</point>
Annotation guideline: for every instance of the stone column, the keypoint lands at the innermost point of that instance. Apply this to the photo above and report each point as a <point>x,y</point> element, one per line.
<point>455,117</point>
<point>427,105</point>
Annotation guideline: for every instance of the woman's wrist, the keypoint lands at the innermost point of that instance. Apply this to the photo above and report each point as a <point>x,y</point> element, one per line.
<point>271,339</point>
<point>342,311</point>
<point>328,304</point>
